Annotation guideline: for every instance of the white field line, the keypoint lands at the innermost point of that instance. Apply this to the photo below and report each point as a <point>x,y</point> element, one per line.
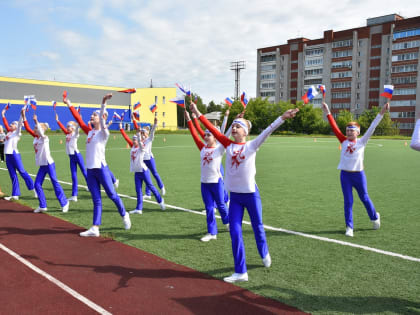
<point>272,228</point>
<point>57,282</point>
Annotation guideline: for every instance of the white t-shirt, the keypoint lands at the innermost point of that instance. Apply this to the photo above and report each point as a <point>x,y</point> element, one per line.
<point>211,158</point>
<point>42,151</point>
<point>136,159</point>
<point>71,142</point>
<point>148,144</point>
<point>12,139</point>
<point>95,148</point>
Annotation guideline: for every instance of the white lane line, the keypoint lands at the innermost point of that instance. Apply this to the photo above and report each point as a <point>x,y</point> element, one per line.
<point>272,228</point>
<point>57,282</point>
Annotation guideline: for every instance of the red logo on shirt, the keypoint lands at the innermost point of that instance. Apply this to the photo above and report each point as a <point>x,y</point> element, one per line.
<point>207,157</point>
<point>35,148</point>
<point>237,158</point>
<point>68,138</point>
<point>134,154</point>
<point>90,138</point>
<point>350,148</point>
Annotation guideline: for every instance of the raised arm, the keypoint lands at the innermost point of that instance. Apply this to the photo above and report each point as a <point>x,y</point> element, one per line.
<point>61,125</point>
<point>25,122</point>
<point>415,139</point>
<point>224,123</point>
<point>225,141</point>
<point>5,122</point>
<point>38,126</point>
<point>135,125</point>
<point>125,136</point>
<point>77,116</point>
<point>197,126</point>
<point>374,124</point>
<point>152,131</point>
<point>258,141</point>
<point>333,124</point>
<point>102,112</point>
<point>198,142</point>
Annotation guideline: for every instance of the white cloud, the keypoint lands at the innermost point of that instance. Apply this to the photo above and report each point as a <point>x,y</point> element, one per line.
<point>128,42</point>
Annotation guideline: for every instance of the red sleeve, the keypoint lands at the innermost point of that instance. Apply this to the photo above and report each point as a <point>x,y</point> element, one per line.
<point>6,124</point>
<point>129,141</point>
<point>198,127</point>
<point>335,129</point>
<point>135,125</point>
<point>79,120</point>
<point>28,129</point>
<point>225,141</point>
<point>198,142</point>
<point>62,127</point>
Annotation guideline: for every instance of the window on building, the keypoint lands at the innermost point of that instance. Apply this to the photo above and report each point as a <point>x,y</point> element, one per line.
<point>358,96</point>
<point>267,93</point>
<point>163,114</point>
<point>163,100</point>
<point>404,68</point>
<point>342,53</point>
<point>341,85</point>
<point>342,74</point>
<point>342,43</point>
<point>268,85</point>
<point>268,58</point>
<point>341,64</point>
<point>314,62</point>
<point>341,95</point>
<point>314,52</point>
<point>404,92</point>
<point>163,124</point>
<point>313,72</point>
<point>407,33</point>
<point>403,103</point>
<point>408,56</point>
<point>406,45</point>
<point>404,80</point>
<point>265,68</point>
<point>156,99</point>
<point>268,76</point>
<point>312,81</point>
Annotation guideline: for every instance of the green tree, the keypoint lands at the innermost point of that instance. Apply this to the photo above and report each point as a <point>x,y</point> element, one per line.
<point>344,117</point>
<point>213,107</point>
<point>180,111</point>
<point>385,127</point>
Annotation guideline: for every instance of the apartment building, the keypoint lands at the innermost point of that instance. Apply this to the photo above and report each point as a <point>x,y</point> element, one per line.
<point>353,64</point>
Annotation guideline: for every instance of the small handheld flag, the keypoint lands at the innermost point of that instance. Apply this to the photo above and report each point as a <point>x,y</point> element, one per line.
<point>123,114</point>
<point>137,106</point>
<point>129,91</point>
<point>54,104</point>
<point>64,95</point>
<point>185,90</point>
<point>388,90</point>
<point>153,108</point>
<point>78,109</point>
<point>116,116</point>
<point>33,103</point>
<point>228,101</point>
<point>309,95</point>
<point>180,100</point>
<point>7,106</point>
<point>244,100</point>
<point>321,87</point>
<point>136,116</point>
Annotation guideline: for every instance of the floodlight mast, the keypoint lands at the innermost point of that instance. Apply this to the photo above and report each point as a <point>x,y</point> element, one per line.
<point>237,66</point>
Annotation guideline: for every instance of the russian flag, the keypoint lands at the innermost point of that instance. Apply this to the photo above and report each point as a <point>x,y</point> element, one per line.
<point>116,116</point>
<point>322,88</point>
<point>153,108</point>
<point>33,103</point>
<point>310,94</point>
<point>123,114</point>
<point>136,116</point>
<point>228,101</point>
<point>184,89</point>
<point>7,106</point>
<point>244,100</point>
<point>129,91</point>
<point>78,109</point>
<point>388,90</point>
<point>54,104</point>
<point>64,94</point>
<point>180,100</point>
<point>137,106</point>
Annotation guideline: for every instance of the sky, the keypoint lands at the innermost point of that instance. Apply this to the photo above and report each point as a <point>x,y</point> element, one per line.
<point>126,43</point>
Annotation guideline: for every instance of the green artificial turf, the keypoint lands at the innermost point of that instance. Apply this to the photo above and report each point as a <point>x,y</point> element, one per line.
<point>300,189</point>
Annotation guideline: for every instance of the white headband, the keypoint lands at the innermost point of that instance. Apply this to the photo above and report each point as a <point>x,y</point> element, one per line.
<point>353,127</point>
<point>71,124</point>
<point>242,124</point>
<point>15,122</point>
<point>98,112</point>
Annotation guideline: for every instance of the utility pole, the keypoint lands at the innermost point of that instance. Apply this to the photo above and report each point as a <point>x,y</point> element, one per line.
<point>237,66</point>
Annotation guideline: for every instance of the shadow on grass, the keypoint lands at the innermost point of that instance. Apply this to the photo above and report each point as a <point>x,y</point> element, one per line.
<point>341,304</point>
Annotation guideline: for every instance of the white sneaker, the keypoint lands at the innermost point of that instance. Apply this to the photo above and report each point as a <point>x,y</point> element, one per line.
<point>73,198</point>
<point>377,222</point>
<point>66,206</point>
<point>93,231</point>
<point>349,231</point>
<point>117,183</point>
<point>227,204</point>
<point>208,237</point>
<point>35,194</point>
<point>163,191</point>
<point>127,221</point>
<point>162,205</point>
<point>215,210</point>
<point>267,260</point>
<point>11,198</point>
<point>227,226</point>
<point>147,197</point>
<point>237,277</point>
<point>136,211</point>
<point>38,210</point>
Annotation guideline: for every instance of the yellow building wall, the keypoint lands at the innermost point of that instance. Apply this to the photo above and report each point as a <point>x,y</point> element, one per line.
<point>166,111</point>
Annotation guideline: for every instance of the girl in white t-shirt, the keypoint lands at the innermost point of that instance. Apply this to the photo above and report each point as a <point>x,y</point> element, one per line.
<point>46,165</point>
<point>240,182</point>
<point>351,166</point>
<point>415,139</point>
<point>72,136</point>
<point>212,187</point>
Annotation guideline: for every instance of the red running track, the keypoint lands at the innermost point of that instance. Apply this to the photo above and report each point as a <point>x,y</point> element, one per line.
<point>119,278</point>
